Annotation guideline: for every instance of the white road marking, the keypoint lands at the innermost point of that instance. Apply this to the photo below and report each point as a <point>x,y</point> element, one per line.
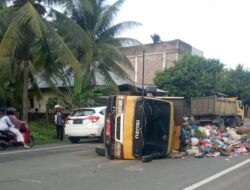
<point>213,177</point>
<point>38,149</point>
<point>30,181</point>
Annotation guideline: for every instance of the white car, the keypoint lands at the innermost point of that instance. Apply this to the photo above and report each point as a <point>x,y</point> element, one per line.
<point>85,122</point>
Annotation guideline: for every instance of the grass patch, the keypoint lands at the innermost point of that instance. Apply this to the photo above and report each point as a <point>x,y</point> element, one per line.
<point>44,134</point>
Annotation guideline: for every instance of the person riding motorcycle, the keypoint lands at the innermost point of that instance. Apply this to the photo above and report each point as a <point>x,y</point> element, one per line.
<point>7,125</point>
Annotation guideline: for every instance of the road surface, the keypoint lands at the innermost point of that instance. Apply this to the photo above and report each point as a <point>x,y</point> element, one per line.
<point>77,167</point>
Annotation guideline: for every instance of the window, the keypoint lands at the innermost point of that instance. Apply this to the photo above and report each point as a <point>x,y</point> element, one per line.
<point>83,112</point>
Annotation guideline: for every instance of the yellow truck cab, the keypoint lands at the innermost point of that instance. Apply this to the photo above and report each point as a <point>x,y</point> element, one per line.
<point>239,107</point>
<point>137,127</point>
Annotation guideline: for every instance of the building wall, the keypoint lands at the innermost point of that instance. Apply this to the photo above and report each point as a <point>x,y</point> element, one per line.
<point>157,57</point>
<point>47,93</point>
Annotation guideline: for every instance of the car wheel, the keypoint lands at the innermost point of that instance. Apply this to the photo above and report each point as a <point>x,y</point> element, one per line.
<point>74,139</point>
<point>101,139</point>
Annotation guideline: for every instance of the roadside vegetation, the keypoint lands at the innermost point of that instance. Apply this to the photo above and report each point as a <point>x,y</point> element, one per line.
<point>44,134</point>
<point>38,43</point>
<point>194,76</point>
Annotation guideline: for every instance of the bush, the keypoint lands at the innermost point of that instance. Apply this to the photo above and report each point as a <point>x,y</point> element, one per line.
<point>44,134</point>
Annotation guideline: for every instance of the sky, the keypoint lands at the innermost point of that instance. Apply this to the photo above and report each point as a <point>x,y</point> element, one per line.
<point>220,28</point>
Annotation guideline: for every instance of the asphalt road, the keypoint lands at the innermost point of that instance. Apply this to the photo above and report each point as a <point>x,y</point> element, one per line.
<point>77,167</point>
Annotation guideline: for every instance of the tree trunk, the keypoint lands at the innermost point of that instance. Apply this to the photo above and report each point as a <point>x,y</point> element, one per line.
<point>25,90</point>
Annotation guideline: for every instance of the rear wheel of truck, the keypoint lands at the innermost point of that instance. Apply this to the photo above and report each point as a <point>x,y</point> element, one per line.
<point>238,121</point>
<point>221,124</point>
<point>234,122</point>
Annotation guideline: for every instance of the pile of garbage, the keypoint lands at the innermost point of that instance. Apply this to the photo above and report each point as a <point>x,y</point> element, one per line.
<point>211,141</point>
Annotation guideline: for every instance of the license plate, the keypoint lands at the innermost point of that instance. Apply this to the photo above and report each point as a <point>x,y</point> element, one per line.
<point>77,121</point>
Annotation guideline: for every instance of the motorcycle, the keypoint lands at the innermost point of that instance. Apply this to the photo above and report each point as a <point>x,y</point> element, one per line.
<point>9,140</point>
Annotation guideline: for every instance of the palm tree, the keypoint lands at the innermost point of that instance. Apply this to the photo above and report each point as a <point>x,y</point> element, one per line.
<point>156,38</point>
<point>25,29</point>
<point>94,20</point>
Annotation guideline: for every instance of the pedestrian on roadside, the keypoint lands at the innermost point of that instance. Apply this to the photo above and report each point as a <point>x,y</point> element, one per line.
<point>59,122</point>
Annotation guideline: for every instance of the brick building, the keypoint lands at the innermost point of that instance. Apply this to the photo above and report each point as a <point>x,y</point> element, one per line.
<point>157,57</point>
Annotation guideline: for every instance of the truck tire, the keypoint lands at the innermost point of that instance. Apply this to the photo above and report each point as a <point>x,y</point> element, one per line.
<point>238,121</point>
<point>234,122</point>
<point>222,124</point>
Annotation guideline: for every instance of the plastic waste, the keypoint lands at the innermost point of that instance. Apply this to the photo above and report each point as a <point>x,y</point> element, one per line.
<point>216,154</point>
<point>199,155</point>
<point>192,151</point>
<point>194,141</point>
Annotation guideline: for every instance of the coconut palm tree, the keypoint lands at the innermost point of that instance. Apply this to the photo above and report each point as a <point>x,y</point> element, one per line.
<point>25,28</point>
<point>156,38</point>
<point>94,19</point>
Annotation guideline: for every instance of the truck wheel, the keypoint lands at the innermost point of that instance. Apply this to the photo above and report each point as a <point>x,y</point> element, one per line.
<point>238,122</point>
<point>234,122</point>
<point>107,152</point>
<point>222,125</point>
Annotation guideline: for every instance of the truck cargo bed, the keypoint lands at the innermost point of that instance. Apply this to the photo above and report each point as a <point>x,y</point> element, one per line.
<point>212,105</point>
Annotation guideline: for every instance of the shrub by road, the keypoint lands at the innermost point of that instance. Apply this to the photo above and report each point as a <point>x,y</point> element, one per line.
<point>44,134</point>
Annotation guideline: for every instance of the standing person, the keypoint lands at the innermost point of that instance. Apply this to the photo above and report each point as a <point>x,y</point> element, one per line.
<point>6,124</point>
<point>59,123</point>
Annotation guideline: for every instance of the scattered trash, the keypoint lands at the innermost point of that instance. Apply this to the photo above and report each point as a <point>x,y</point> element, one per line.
<point>199,155</point>
<point>176,154</point>
<point>210,141</point>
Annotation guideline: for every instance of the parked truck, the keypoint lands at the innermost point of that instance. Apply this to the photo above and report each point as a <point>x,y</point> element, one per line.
<point>221,111</point>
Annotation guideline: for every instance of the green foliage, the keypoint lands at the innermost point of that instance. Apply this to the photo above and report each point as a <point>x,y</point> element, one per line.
<point>94,20</point>
<point>27,37</point>
<point>192,76</point>
<point>43,134</point>
<point>52,102</point>
<point>236,83</point>
<point>93,37</point>
<point>88,93</point>
<point>195,76</point>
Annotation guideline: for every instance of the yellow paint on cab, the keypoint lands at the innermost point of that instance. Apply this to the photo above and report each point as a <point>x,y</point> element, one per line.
<point>128,124</point>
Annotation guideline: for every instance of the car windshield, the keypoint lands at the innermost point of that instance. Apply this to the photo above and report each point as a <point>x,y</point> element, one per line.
<point>83,112</point>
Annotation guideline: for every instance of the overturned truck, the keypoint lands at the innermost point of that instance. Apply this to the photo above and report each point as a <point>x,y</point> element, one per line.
<point>221,111</point>
<point>140,127</point>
